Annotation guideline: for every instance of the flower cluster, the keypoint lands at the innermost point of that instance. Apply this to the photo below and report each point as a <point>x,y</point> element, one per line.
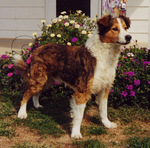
<point>73,29</point>
<point>8,67</point>
<point>132,83</point>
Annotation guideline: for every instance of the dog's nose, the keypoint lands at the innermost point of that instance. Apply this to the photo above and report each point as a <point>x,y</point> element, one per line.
<point>128,38</point>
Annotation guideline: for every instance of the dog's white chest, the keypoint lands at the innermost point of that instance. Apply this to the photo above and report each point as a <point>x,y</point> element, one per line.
<point>104,72</point>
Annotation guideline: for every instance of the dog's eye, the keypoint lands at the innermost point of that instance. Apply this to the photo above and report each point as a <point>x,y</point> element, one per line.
<point>115,29</point>
<point>125,28</point>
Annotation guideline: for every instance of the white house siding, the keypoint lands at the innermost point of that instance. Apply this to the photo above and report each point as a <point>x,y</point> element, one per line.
<point>138,11</point>
<point>20,17</point>
<point>23,17</point>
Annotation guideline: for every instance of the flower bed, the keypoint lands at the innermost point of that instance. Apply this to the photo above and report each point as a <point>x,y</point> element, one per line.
<point>132,83</point>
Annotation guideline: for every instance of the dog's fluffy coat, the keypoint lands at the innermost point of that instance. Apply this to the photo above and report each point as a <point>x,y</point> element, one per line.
<point>89,69</point>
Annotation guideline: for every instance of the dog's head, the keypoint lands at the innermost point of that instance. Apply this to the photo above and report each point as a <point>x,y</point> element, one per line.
<point>114,30</point>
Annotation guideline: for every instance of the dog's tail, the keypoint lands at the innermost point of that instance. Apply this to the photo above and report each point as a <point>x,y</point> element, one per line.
<point>20,65</point>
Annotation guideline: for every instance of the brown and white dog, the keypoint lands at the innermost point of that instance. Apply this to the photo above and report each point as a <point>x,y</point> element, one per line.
<point>89,69</point>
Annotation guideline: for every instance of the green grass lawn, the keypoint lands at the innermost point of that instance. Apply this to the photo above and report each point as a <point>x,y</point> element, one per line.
<point>52,125</point>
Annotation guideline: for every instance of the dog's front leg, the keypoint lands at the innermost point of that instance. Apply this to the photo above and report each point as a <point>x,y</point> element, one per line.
<point>77,112</point>
<point>102,100</point>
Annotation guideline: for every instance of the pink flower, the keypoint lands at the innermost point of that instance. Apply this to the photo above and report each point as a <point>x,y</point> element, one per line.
<point>10,66</point>
<point>111,91</point>
<point>29,49</point>
<point>124,93</point>
<point>4,56</point>
<point>137,82</point>
<point>81,24</point>
<point>135,60</point>
<point>74,39</point>
<point>119,64</point>
<point>30,55</point>
<point>26,52</point>
<point>16,72</point>
<point>129,87</point>
<point>36,45</point>
<point>56,83</point>
<point>148,82</point>
<point>146,63</point>
<point>125,57</point>
<point>10,74</point>
<point>28,61</point>
<point>130,74</point>
<point>132,93</point>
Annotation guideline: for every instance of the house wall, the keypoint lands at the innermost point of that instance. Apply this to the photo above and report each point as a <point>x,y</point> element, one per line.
<point>23,17</point>
<point>20,17</point>
<point>138,11</point>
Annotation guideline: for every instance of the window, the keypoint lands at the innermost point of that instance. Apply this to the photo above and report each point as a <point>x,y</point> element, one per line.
<point>72,6</point>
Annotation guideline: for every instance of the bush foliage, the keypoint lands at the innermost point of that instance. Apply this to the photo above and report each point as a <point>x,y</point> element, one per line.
<point>132,83</point>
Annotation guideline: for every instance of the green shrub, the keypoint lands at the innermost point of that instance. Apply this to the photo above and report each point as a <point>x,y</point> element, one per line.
<point>9,75</point>
<point>132,82</point>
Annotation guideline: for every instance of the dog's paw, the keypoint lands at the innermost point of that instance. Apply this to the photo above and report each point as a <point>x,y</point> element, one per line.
<point>22,115</point>
<point>109,124</point>
<point>76,135</point>
<point>38,106</point>
<point>76,132</point>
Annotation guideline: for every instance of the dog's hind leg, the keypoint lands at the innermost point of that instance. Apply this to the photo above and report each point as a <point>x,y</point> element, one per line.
<point>36,103</point>
<point>22,114</point>
<point>35,98</point>
<point>36,84</point>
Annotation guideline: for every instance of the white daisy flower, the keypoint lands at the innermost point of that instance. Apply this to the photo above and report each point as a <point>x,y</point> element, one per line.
<point>49,25</point>
<point>69,43</point>
<point>94,20</point>
<point>84,32</point>
<point>34,34</point>
<point>90,35</point>
<point>66,16</point>
<point>66,24</point>
<point>43,21</point>
<point>72,21</point>
<point>59,35</point>
<point>52,35</point>
<point>79,11</point>
<point>54,21</point>
<point>77,26</point>
<point>59,20</point>
<point>63,12</point>
<point>60,17</point>
<point>30,44</point>
<point>83,14</point>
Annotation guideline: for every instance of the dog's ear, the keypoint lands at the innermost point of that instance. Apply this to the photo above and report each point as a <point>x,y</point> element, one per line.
<point>104,20</point>
<point>126,20</point>
<point>104,24</point>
